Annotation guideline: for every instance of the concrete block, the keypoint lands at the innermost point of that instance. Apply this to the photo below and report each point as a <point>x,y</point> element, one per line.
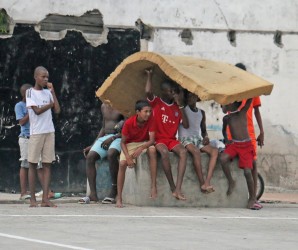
<point>103,180</point>
<point>137,186</point>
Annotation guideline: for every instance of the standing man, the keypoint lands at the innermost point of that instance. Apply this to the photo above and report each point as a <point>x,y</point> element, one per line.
<point>40,100</point>
<point>106,145</point>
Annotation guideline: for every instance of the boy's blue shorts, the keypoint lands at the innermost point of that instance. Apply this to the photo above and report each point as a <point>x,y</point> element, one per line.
<point>103,152</point>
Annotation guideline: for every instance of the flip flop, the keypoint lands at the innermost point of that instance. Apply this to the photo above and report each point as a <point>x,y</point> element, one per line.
<point>256,207</point>
<point>86,200</point>
<point>25,197</point>
<point>56,196</point>
<point>259,204</point>
<point>108,200</point>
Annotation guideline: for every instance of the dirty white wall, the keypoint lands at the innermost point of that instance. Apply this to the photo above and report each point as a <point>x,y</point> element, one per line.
<point>209,20</point>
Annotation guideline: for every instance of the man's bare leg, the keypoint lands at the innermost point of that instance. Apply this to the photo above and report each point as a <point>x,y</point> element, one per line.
<point>196,155</point>
<point>32,183</point>
<point>255,177</point>
<point>250,186</point>
<point>120,183</point>
<point>23,180</point>
<point>113,155</point>
<point>164,153</point>
<point>224,160</point>
<point>92,157</point>
<point>213,154</point>
<point>152,155</point>
<point>46,185</point>
<point>182,154</point>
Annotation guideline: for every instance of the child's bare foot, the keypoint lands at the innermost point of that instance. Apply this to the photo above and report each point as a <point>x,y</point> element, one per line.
<point>119,203</point>
<point>47,204</point>
<point>207,189</point>
<point>33,203</point>
<point>153,194</point>
<point>232,185</point>
<point>179,196</point>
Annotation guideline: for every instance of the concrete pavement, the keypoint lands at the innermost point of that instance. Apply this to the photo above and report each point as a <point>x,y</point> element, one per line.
<point>9,198</point>
<point>97,226</point>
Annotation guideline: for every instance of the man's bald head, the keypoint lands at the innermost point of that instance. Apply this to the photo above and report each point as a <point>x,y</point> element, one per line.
<point>39,69</point>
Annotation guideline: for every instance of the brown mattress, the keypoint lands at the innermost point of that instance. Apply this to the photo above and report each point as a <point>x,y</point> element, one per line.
<point>210,80</point>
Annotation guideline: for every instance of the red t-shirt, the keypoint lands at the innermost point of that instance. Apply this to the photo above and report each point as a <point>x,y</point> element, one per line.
<point>167,118</point>
<point>134,133</point>
<point>256,102</point>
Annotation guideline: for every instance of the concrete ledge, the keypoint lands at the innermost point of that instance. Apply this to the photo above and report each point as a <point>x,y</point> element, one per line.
<point>137,186</point>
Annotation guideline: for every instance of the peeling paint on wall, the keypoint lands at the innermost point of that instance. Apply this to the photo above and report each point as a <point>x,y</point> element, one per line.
<point>55,27</point>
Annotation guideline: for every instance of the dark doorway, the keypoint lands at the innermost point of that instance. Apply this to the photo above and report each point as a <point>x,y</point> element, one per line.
<point>76,69</point>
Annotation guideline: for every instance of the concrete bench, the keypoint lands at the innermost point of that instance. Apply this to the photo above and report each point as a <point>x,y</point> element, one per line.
<point>137,185</point>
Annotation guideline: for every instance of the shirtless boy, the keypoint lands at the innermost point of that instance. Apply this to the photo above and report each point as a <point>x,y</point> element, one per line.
<point>240,145</point>
<point>107,144</point>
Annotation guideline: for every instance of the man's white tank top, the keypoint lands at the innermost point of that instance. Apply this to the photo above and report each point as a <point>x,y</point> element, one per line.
<point>194,120</point>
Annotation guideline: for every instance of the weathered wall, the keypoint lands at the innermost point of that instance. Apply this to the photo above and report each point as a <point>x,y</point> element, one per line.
<point>255,23</point>
<point>76,69</point>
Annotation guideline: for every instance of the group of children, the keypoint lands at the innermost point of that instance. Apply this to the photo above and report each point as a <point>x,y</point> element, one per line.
<point>154,128</point>
<point>37,137</point>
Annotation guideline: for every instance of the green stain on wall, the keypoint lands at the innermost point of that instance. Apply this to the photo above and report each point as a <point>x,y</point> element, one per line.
<point>4,22</point>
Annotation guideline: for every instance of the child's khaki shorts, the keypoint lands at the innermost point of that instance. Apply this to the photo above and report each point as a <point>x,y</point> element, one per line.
<point>131,147</point>
<point>41,146</point>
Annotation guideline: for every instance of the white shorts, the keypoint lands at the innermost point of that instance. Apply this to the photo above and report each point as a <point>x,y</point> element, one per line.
<point>23,143</point>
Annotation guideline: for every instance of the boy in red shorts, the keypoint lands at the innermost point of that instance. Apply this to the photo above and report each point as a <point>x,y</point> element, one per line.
<point>240,146</point>
<point>138,135</point>
<point>168,112</point>
<point>255,104</point>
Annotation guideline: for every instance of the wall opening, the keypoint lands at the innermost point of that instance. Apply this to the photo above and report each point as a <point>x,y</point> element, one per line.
<point>278,39</point>
<point>186,36</point>
<point>90,24</point>
<point>232,37</point>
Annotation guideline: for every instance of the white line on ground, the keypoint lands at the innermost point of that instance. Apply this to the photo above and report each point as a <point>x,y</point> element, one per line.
<point>151,216</point>
<point>42,242</point>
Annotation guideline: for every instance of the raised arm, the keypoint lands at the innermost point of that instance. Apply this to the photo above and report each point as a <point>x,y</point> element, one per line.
<point>180,101</point>
<point>246,106</point>
<point>56,106</point>
<point>148,88</point>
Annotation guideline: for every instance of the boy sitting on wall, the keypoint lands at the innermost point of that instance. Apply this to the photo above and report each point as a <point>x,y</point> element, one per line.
<point>138,135</point>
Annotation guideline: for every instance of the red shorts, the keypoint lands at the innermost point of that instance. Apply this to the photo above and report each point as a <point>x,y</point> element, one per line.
<point>245,151</point>
<point>254,143</point>
<point>170,143</point>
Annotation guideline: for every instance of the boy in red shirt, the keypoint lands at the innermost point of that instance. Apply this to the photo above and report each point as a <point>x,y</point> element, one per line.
<point>168,113</point>
<point>138,135</point>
